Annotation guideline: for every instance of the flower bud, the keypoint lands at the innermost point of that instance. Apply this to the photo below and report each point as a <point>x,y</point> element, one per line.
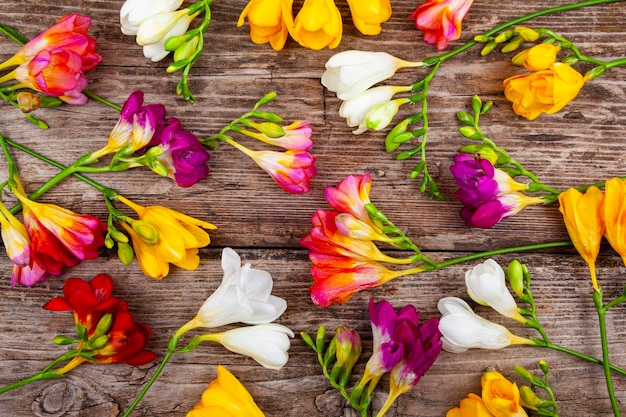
<point>270,129</point>
<point>527,34</point>
<point>481,38</point>
<point>27,102</point>
<point>488,153</point>
<point>125,253</point>
<point>528,398</point>
<point>174,42</point>
<point>186,50</point>
<point>465,118</point>
<point>570,60</point>
<point>488,48</point>
<point>513,45</point>
<point>104,324</point>
<point>515,276</point>
<point>147,232</point>
<point>504,36</point>
<point>469,132</point>
<point>62,340</point>
<point>348,348</point>
<point>99,342</point>
<point>398,131</point>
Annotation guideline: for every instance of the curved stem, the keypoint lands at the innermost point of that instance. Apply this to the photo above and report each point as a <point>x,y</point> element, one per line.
<point>99,99</point>
<point>38,377</point>
<point>582,356</point>
<point>485,254</point>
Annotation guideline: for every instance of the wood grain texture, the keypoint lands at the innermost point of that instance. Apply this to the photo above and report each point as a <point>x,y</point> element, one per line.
<point>581,144</point>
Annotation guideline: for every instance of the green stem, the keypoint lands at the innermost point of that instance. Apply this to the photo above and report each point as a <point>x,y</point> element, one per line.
<point>582,356</point>
<point>99,99</point>
<point>485,254</point>
<point>38,377</point>
<point>597,300</point>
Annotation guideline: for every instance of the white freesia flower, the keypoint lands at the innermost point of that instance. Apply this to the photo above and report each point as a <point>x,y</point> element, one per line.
<point>265,343</point>
<point>349,73</point>
<point>133,12</point>
<point>243,296</point>
<point>356,109</point>
<point>156,30</point>
<point>462,329</point>
<point>486,284</point>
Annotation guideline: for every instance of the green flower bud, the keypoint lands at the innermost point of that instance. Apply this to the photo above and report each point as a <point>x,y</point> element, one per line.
<point>331,352</point>
<point>147,232</point>
<point>125,253</point>
<point>525,373</point>
<point>63,340</point>
<point>109,242</point>
<point>159,167</point>
<point>595,72</point>
<point>177,66</point>
<point>528,34</point>
<point>270,129</point>
<point>515,276</point>
<point>104,324</point>
<point>486,107</point>
<point>543,364</point>
<point>348,347</point>
<point>174,42</point>
<point>99,342</point>
<point>469,132</point>
<point>465,118</point>
<point>570,60</point>
<point>398,130</point>
<point>488,153</point>
<point>504,36</point>
<point>513,45</point>
<point>488,48</point>
<point>186,50</point>
<point>481,38</point>
<point>528,398</point>
<point>27,102</point>
<point>477,104</point>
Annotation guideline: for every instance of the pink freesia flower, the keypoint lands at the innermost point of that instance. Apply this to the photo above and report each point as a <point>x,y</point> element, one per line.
<point>292,170</point>
<point>441,20</point>
<point>55,61</point>
<point>351,195</point>
<point>15,238</point>
<point>59,238</point>
<point>183,155</point>
<point>138,126</point>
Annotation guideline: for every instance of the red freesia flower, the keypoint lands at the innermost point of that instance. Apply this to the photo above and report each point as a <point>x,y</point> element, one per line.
<point>87,301</point>
<point>441,20</point>
<point>59,238</point>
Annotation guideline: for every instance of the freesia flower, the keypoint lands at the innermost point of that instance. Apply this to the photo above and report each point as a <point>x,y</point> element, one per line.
<point>349,347</point>
<point>15,238</point>
<point>357,109</point>
<point>164,236</point>
<point>292,170</point>
<point>615,215</point>
<point>486,284</point>
<point>88,301</point>
<point>226,397</point>
<point>137,126</point>
<point>546,91</point>
<point>267,21</point>
<point>500,396</point>
<point>243,296</point>
<point>462,329</point>
<point>296,136</point>
<point>69,33</point>
<point>488,194</point>
<point>441,20</point>
<point>133,12</point>
<point>537,58</point>
<point>338,278</point>
<point>425,346</point>
<point>54,62</point>
<point>381,115</point>
<point>367,15</point>
<point>584,219</point>
<point>351,195</point>
<point>317,24</point>
<point>350,73</point>
<point>471,406</point>
<point>153,31</point>
<point>59,238</point>
<point>265,343</point>
<point>182,155</point>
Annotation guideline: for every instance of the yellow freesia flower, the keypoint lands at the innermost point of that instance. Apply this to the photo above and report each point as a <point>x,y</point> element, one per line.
<point>164,236</point>
<point>615,215</point>
<point>500,396</point>
<point>471,406</point>
<point>584,219</point>
<point>367,15</point>
<point>317,25</point>
<point>537,58</point>
<point>546,91</point>
<point>226,397</point>
<point>266,19</point>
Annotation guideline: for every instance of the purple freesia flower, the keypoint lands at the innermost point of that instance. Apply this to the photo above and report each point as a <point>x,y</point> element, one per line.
<point>488,194</point>
<point>183,154</point>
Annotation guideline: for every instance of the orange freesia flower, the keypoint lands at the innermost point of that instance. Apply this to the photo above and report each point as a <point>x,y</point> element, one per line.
<point>266,19</point>
<point>164,236</point>
<point>59,238</point>
<point>317,25</point>
<point>584,219</point>
<point>615,215</point>
<point>441,20</point>
<point>226,397</point>
<point>367,15</point>
<point>472,406</point>
<point>537,58</point>
<point>546,91</point>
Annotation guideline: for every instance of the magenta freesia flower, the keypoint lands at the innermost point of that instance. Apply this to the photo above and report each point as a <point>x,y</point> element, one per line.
<point>183,154</point>
<point>59,238</point>
<point>441,20</point>
<point>488,194</point>
<point>54,62</point>
<point>292,170</point>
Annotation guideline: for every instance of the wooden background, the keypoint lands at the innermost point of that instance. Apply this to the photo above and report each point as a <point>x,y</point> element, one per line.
<point>581,144</point>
